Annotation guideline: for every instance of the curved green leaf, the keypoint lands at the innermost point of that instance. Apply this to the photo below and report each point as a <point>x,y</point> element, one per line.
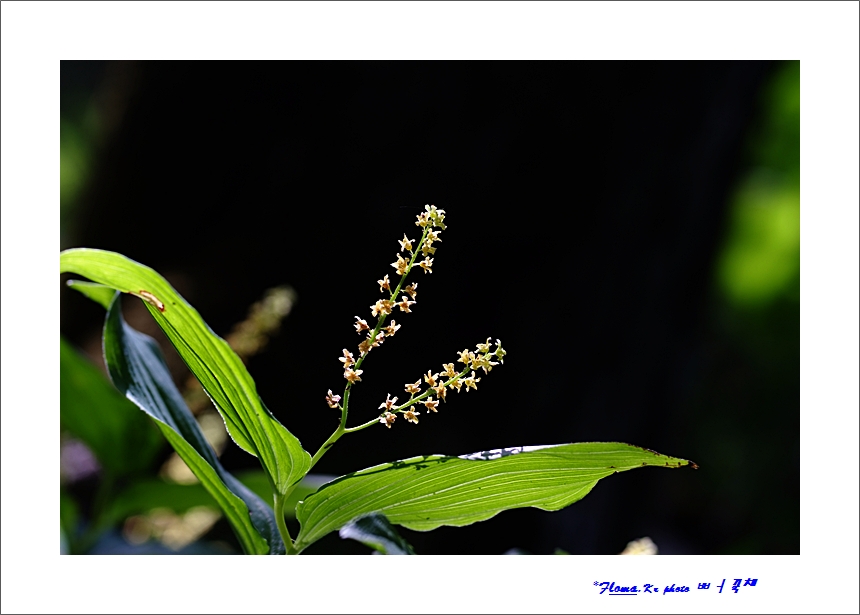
<point>137,369</point>
<point>424,493</point>
<point>376,532</point>
<point>210,358</point>
<point>101,294</point>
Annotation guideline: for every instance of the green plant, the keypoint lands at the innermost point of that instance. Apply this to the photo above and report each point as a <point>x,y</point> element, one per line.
<point>421,493</point>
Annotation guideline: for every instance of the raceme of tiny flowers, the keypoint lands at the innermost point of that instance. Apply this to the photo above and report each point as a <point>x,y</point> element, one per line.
<point>431,221</point>
<point>439,384</point>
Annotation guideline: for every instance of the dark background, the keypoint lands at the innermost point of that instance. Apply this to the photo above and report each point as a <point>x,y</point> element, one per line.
<point>625,228</point>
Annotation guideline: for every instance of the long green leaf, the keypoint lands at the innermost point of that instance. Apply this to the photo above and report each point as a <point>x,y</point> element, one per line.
<point>424,493</point>
<point>101,294</point>
<point>137,368</point>
<point>210,358</point>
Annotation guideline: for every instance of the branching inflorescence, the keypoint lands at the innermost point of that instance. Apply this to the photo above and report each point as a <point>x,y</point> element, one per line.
<point>432,223</point>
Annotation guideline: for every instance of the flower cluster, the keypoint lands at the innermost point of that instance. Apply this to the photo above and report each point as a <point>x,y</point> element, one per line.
<point>440,383</point>
<point>432,221</point>
<point>402,297</point>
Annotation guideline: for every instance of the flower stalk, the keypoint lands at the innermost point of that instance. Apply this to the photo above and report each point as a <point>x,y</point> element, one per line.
<point>431,221</point>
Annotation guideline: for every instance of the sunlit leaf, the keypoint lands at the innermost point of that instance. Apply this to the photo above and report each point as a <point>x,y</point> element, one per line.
<point>137,369</point>
<point>210,358</point>
<point>424,493</point>
<point>376,532</point>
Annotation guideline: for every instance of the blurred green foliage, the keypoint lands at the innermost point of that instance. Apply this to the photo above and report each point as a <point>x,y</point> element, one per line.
<point>749,401</point>
<point>761,257</point>
<point>121,437</point>
<point>79,135</point>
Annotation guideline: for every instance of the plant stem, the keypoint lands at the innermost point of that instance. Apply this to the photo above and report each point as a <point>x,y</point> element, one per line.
<point>327,445</point>
<point>380,322</point>
<point>280,500</point>
<point>362,426</point>
<point>411,262</point>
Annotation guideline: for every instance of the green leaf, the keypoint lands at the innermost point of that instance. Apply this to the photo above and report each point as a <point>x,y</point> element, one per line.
<point>101,294</point>
<point>137,368</point>
<point>91,409</point>
<point>376,532</point>
<point>210,358</point>
<point>424,493</point>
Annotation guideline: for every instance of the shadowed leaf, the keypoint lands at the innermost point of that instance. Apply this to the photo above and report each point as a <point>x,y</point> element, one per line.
<point>376,532</point>
<point>137,369</point>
